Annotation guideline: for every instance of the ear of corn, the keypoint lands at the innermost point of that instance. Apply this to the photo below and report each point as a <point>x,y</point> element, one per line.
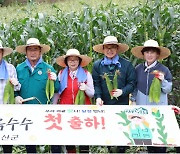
<point>115,83</point>
<point>49,88</point>
<point>112,85</point>
<point>8,96</point>
<point>109,84</point>
<point>155,91</point>
<point>80,98</point>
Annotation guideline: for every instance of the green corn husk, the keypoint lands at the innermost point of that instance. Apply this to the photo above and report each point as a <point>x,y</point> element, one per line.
<point>8,96</point>
<point>109,84</point>
<point>155,91</point>
<point>51,84</point>
<point>115,83</point>
<point>49,88</point>
<point>80,98</point>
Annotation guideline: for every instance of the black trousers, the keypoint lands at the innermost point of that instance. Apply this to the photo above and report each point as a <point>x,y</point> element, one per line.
<point>119,149</point>
<point>32,149</point>
<point>7,148</point>
<point>83,149</point>
<point>152,149</point>
<point>56,149</point>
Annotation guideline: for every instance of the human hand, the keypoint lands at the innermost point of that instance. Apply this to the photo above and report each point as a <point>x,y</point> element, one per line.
<point>18,100</point>
<point>83,86</point>
<point>99,101</point>
<point>52,76</point>
<point>14,81</point>
<point>117,92</point>
<point>160,76</point>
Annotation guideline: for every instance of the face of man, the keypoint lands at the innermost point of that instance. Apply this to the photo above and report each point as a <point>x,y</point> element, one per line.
<point>73,62</point>
<point>110,50</point>
<point>33,54</point>
<point>1,55</point>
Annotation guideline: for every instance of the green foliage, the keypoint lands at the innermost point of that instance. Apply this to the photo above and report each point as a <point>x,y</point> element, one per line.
<point>151,19</point>
<point>1,2</point>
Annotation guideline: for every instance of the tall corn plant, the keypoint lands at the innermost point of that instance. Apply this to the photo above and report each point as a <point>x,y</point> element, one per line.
<point>153,19</point>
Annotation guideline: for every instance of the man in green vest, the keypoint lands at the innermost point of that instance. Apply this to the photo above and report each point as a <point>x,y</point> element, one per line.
<point>33,74</point>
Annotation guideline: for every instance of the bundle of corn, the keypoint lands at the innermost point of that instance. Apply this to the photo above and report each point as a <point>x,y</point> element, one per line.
<point>8,96</point>
<point>155,88</point>
<point>112,86</point>
<point>49,87</point>
<point>80,98</point>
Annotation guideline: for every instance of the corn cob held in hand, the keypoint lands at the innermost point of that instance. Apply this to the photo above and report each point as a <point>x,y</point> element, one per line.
<point>112,85</point>
<point>8,96</point>
<point>155,88</point>
<point>80,98</point>
<point>49,87</point>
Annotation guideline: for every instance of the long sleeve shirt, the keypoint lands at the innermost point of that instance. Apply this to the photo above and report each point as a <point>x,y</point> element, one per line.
<point>12,74</point>
<point>125,81</point>
<point>33,84</point>
<point>144,81</point>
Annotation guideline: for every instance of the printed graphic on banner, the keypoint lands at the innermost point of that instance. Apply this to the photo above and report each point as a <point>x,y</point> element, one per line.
<point>88,125</point>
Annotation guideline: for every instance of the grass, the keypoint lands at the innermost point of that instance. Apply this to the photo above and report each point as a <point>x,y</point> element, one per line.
<point>17,11</point>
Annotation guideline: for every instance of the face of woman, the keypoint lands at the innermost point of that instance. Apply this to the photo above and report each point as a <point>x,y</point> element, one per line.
<point>110,50</point>
<point>151,56</point>
<point>73,62</point>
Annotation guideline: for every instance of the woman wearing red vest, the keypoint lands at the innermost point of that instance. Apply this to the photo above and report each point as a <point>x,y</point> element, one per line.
<point>72,79</point>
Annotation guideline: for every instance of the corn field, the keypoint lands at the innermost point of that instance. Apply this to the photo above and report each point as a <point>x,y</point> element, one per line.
<point>151,19</point>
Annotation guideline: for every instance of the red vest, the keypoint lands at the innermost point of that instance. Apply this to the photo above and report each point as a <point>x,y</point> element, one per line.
<point>68,96</point>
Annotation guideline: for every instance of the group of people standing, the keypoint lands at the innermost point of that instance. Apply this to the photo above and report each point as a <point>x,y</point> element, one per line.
<point>30,79</point>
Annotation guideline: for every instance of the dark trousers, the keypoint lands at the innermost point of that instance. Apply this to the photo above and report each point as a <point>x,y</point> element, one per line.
<point>32,149</point>
<point>83,149</point>
<point>119,149</point>
<point>7,148</point>
<point>177,149</point>
<point>56,149</point>
<point>152,149</point>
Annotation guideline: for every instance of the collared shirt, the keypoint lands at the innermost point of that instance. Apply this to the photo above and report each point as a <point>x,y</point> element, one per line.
<point>12,74</point>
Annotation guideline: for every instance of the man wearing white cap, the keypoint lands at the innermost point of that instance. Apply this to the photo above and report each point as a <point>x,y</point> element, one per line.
<point>7,72</point>
<point>109,65</point>
<point>151,52</point>
<point>33,75</point>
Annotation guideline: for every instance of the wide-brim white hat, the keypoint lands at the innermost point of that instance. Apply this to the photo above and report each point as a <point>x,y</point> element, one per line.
<point>73,52</point>
<point>111,40</point>
<point>6,50</point>
<point>33,42</point>
<point>164,52</point>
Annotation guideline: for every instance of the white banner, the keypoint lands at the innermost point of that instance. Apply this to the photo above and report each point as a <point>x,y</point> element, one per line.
<point>88,125</point>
